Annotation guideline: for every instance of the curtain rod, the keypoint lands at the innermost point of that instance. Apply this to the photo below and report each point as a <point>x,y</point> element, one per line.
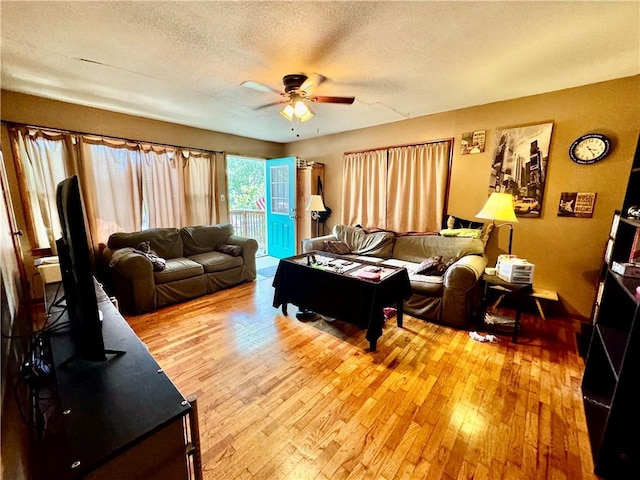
<point>59,130</point>
<point>400,146</point>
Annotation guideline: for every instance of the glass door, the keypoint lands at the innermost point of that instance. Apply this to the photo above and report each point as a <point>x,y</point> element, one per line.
<point>281,207</point>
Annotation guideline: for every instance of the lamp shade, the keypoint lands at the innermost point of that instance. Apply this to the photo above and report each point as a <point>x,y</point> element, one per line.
<point>296,109</point>
<point>287,112</point>
<point>306,116</point>
<point>300,109</point>
<point>315,204</point>
<point>499,206</point>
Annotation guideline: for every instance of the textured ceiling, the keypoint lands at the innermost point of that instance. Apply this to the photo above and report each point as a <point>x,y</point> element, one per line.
<point>184,62</point>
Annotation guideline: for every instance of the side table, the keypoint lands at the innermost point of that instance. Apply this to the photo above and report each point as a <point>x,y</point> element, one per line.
<point>517,291</point>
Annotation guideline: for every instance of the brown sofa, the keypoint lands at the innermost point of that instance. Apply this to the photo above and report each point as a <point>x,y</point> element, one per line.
<point>199,260</point>
<point>451,297</point>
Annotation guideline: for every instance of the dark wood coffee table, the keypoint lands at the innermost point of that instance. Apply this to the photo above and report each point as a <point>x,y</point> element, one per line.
<point>337,292</point>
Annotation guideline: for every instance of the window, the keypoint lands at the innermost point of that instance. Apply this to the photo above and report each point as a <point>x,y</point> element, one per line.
<point>401,188</point>
<point>126,185</point>
<point>280,190</point>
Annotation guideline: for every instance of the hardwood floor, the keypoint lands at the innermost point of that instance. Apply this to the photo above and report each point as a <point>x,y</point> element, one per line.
<point>283,399</point>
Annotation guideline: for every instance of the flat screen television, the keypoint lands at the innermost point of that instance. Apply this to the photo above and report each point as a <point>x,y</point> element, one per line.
<point>75,257</point>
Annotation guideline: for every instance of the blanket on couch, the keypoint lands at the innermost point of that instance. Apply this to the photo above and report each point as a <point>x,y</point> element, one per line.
<point>376,244</point>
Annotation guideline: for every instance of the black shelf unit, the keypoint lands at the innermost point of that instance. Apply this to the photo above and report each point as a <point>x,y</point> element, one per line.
<point>612,365</point>
<point>120,419</point>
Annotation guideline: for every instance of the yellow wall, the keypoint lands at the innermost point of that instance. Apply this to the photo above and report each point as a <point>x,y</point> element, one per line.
<point>566,251</point>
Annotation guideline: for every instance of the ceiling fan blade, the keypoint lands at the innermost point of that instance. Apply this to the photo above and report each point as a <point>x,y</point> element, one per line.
<point>345,100</point>
<point>261,87</point>
<point>268,105</point>
<point>313,81</point>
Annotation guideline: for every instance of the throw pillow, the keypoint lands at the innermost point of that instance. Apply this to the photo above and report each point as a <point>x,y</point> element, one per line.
<point>158,263</point>
<point>428,266</point>
<point>452,222</point>
<point>434,266</point>
<point>461,232</point>
<point>233,250</point>
<point>339,248</point>
<point>443,265</point>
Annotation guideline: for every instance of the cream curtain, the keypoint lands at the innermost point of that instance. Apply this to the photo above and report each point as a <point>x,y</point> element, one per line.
<point>161,187</point>
<point>363,198</point>
<point>43,166</point>
<point>113,170</point>
<point>400,188</point>
<point>126,185</point>
<point>417,187</point>
<point>200,190</point>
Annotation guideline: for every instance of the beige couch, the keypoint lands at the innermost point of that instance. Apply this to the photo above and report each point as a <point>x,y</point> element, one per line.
<point>450,298</point>
<point>199,260</point>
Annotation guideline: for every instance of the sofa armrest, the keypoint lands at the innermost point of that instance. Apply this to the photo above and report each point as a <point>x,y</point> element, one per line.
<point>316,243</point>
<point>249,249</point>
<point>458,296</point>
<point>465,272</point>
<point>132,280</point>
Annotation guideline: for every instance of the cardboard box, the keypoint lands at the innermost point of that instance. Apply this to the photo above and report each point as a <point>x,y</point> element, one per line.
<point>516,270</point>
<point>50,272</point>
<point>626,269</point>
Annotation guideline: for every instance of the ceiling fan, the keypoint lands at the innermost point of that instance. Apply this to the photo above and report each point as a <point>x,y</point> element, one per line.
<point>298,89</point>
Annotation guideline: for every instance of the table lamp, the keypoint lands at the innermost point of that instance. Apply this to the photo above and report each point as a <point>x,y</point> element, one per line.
<point>499,206</point>
<point>314,206</point>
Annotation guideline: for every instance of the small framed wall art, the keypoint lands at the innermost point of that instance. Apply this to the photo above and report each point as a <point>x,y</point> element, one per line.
<point>576,204</point>
<point>473,142</point>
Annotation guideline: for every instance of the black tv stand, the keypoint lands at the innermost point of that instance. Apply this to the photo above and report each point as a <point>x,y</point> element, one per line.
<point>120,418</point>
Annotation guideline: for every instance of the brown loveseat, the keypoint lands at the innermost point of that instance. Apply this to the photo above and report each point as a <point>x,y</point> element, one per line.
<point>197,260</point>
<point>449,296</point>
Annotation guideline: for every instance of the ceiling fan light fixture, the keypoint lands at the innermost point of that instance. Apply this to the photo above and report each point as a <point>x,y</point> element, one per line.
<point>306,116</point>
<point>288,112</point>
<point>300,109</point>
<point>296,109</point>
<point>298,89</point>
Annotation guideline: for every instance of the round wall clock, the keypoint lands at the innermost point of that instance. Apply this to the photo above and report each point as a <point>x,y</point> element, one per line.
<point>590,148</point>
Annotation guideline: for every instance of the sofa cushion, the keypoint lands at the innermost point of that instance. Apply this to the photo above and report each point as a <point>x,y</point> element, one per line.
<point>427,286</point>
<point>178,269</point>
<point>216,261</point>
<point>202,239</point>
<point>425,283</point>
<point>166,242</point>
<point>376,244</point>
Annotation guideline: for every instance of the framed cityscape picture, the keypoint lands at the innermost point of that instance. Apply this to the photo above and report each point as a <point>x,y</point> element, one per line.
<point>519,166</point>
